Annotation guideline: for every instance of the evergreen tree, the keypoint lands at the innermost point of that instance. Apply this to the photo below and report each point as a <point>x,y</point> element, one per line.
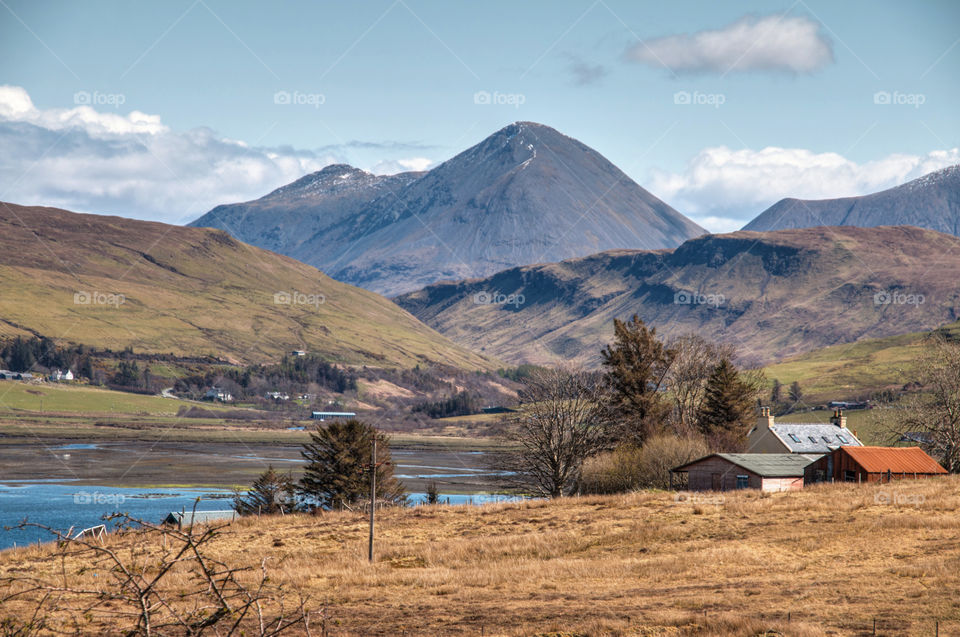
<point>637,364</point>
<point>727,408</point>
<point>337,471</point>
<point>271,493</point>
<point>776,394</point>
<point>796,394</point>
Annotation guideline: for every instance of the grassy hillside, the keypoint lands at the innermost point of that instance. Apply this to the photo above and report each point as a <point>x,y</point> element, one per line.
<point>772,295</point>
<point>111,282</point>
<point>833,557</point>
<point>84,400</point>
<point>842,372</point>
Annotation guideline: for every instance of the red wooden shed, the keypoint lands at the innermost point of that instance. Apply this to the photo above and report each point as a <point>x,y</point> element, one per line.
<point>872,464</point>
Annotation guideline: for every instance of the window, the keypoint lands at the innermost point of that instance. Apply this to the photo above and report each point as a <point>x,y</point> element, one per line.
<point>825,439</point>
<point>841,439</point>
<point>794,437</point>
<point>849,476</point>
<point>743,482</point>
<point>812,439</point>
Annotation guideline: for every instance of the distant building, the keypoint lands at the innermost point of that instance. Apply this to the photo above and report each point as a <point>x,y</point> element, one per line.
<point>873,464</point>
<point>732,471</point>
<point>218,394</point>
<point>182,519</point>
<point>332,415</point>
<point>58,376</point>
<point>298,352</point>
<point>276,396</point>
<point>769,436</point>
<point>6,374</point>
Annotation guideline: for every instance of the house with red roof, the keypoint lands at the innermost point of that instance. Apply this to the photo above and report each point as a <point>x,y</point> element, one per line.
<point>872,464</point>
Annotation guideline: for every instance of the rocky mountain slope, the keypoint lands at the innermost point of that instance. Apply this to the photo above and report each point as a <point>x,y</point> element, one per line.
<point>526,194</point>
<point>772,295</point>
<point>932,201</point>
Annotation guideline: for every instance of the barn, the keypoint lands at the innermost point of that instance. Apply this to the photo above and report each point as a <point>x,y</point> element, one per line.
<point>731,471</point>
<point>873,464</point>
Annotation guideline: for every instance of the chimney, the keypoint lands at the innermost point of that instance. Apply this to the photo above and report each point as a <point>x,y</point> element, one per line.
<point>765,420</point>
<point>838,418</point>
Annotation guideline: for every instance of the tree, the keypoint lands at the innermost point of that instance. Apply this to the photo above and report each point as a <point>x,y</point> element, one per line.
<point>560,423</point>
<point>127,375</point>
<point>637,364</point>
<point>935,411</point>
<point>337,471</point>
<point>433,493</point>
<point>796,394</point>
<point>271,493</point>
<point>727,408</point>
<point>776,393</point>
<point>694,359</point>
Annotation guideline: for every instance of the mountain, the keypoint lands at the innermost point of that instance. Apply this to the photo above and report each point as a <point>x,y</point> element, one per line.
<point>110,282</point>
<point>931,201</point>
<point>526,194</point>
<point>772,295</point>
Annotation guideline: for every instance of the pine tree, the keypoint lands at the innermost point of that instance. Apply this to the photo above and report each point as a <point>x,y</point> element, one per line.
<point>776,394</point>
<point>271,493</point>
<point>338,456</point>
<point>637,363</point>
<point>727,408</point>
<point>796,394</point>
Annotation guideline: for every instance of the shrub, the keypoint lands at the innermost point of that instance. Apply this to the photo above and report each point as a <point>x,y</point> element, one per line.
<point>627,468</point>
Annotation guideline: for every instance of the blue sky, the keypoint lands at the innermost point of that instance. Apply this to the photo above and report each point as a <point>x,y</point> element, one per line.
<point>163,110</point>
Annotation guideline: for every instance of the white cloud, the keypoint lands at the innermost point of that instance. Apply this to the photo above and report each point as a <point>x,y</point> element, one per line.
<point>720,186</point>
<point>133,165</point>
<point>792,44</point>
<point>394,166</point>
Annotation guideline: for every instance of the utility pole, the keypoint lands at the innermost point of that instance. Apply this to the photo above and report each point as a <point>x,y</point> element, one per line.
<point>373,493</point>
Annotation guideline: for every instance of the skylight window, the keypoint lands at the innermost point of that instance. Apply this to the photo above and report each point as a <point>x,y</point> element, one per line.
<point>825,439</point>
<point>794,437</point>
<point>841,439</point>
<point>812,439</point>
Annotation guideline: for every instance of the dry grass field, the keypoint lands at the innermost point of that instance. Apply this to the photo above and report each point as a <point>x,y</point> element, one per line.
<point>828,560</point>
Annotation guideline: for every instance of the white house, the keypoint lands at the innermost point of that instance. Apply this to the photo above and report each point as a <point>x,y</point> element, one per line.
<point>59,376</point>
<point>769,436</point>
<point>218,394</point>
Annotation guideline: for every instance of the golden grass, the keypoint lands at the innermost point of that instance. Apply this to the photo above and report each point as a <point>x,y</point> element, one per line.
<point>637,564</point>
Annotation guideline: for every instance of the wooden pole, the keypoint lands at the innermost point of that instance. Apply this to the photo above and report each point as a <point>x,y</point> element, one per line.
<point>373,493</point>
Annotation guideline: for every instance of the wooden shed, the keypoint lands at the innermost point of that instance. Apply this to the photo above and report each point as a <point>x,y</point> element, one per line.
<point>731,471</point>
<point>873,464</point>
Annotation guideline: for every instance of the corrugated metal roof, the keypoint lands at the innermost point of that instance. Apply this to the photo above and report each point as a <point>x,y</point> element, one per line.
<point>895,459</point>
<point>767,465</point>
<point>813,437</point>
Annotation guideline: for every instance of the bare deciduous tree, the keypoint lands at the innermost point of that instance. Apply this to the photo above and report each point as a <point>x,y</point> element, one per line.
<point>694,360</point>
<point>934,412</point>
<point>560,422</point>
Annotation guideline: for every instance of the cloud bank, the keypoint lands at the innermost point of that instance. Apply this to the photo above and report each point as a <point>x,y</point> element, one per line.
<point>134,166</point>
<point>775,43</point>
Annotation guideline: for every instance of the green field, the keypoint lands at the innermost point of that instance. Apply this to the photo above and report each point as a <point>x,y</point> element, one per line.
<point>854,370</point>
<point>16,396</point>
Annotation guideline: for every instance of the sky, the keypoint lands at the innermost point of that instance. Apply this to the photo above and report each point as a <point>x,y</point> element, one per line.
<point>163,110</point>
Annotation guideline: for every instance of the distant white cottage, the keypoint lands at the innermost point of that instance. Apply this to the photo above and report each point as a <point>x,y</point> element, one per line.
<point>218,394</point>
<point>769,436</point>
<point>59,376</point>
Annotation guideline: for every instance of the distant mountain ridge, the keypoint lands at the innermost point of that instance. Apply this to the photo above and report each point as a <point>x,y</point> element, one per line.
<point>772,295</point>
<point>931,201</point>
<point>525,194</point>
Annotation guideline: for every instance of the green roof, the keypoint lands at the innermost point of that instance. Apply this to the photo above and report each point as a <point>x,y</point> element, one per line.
<point>768,465</point>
